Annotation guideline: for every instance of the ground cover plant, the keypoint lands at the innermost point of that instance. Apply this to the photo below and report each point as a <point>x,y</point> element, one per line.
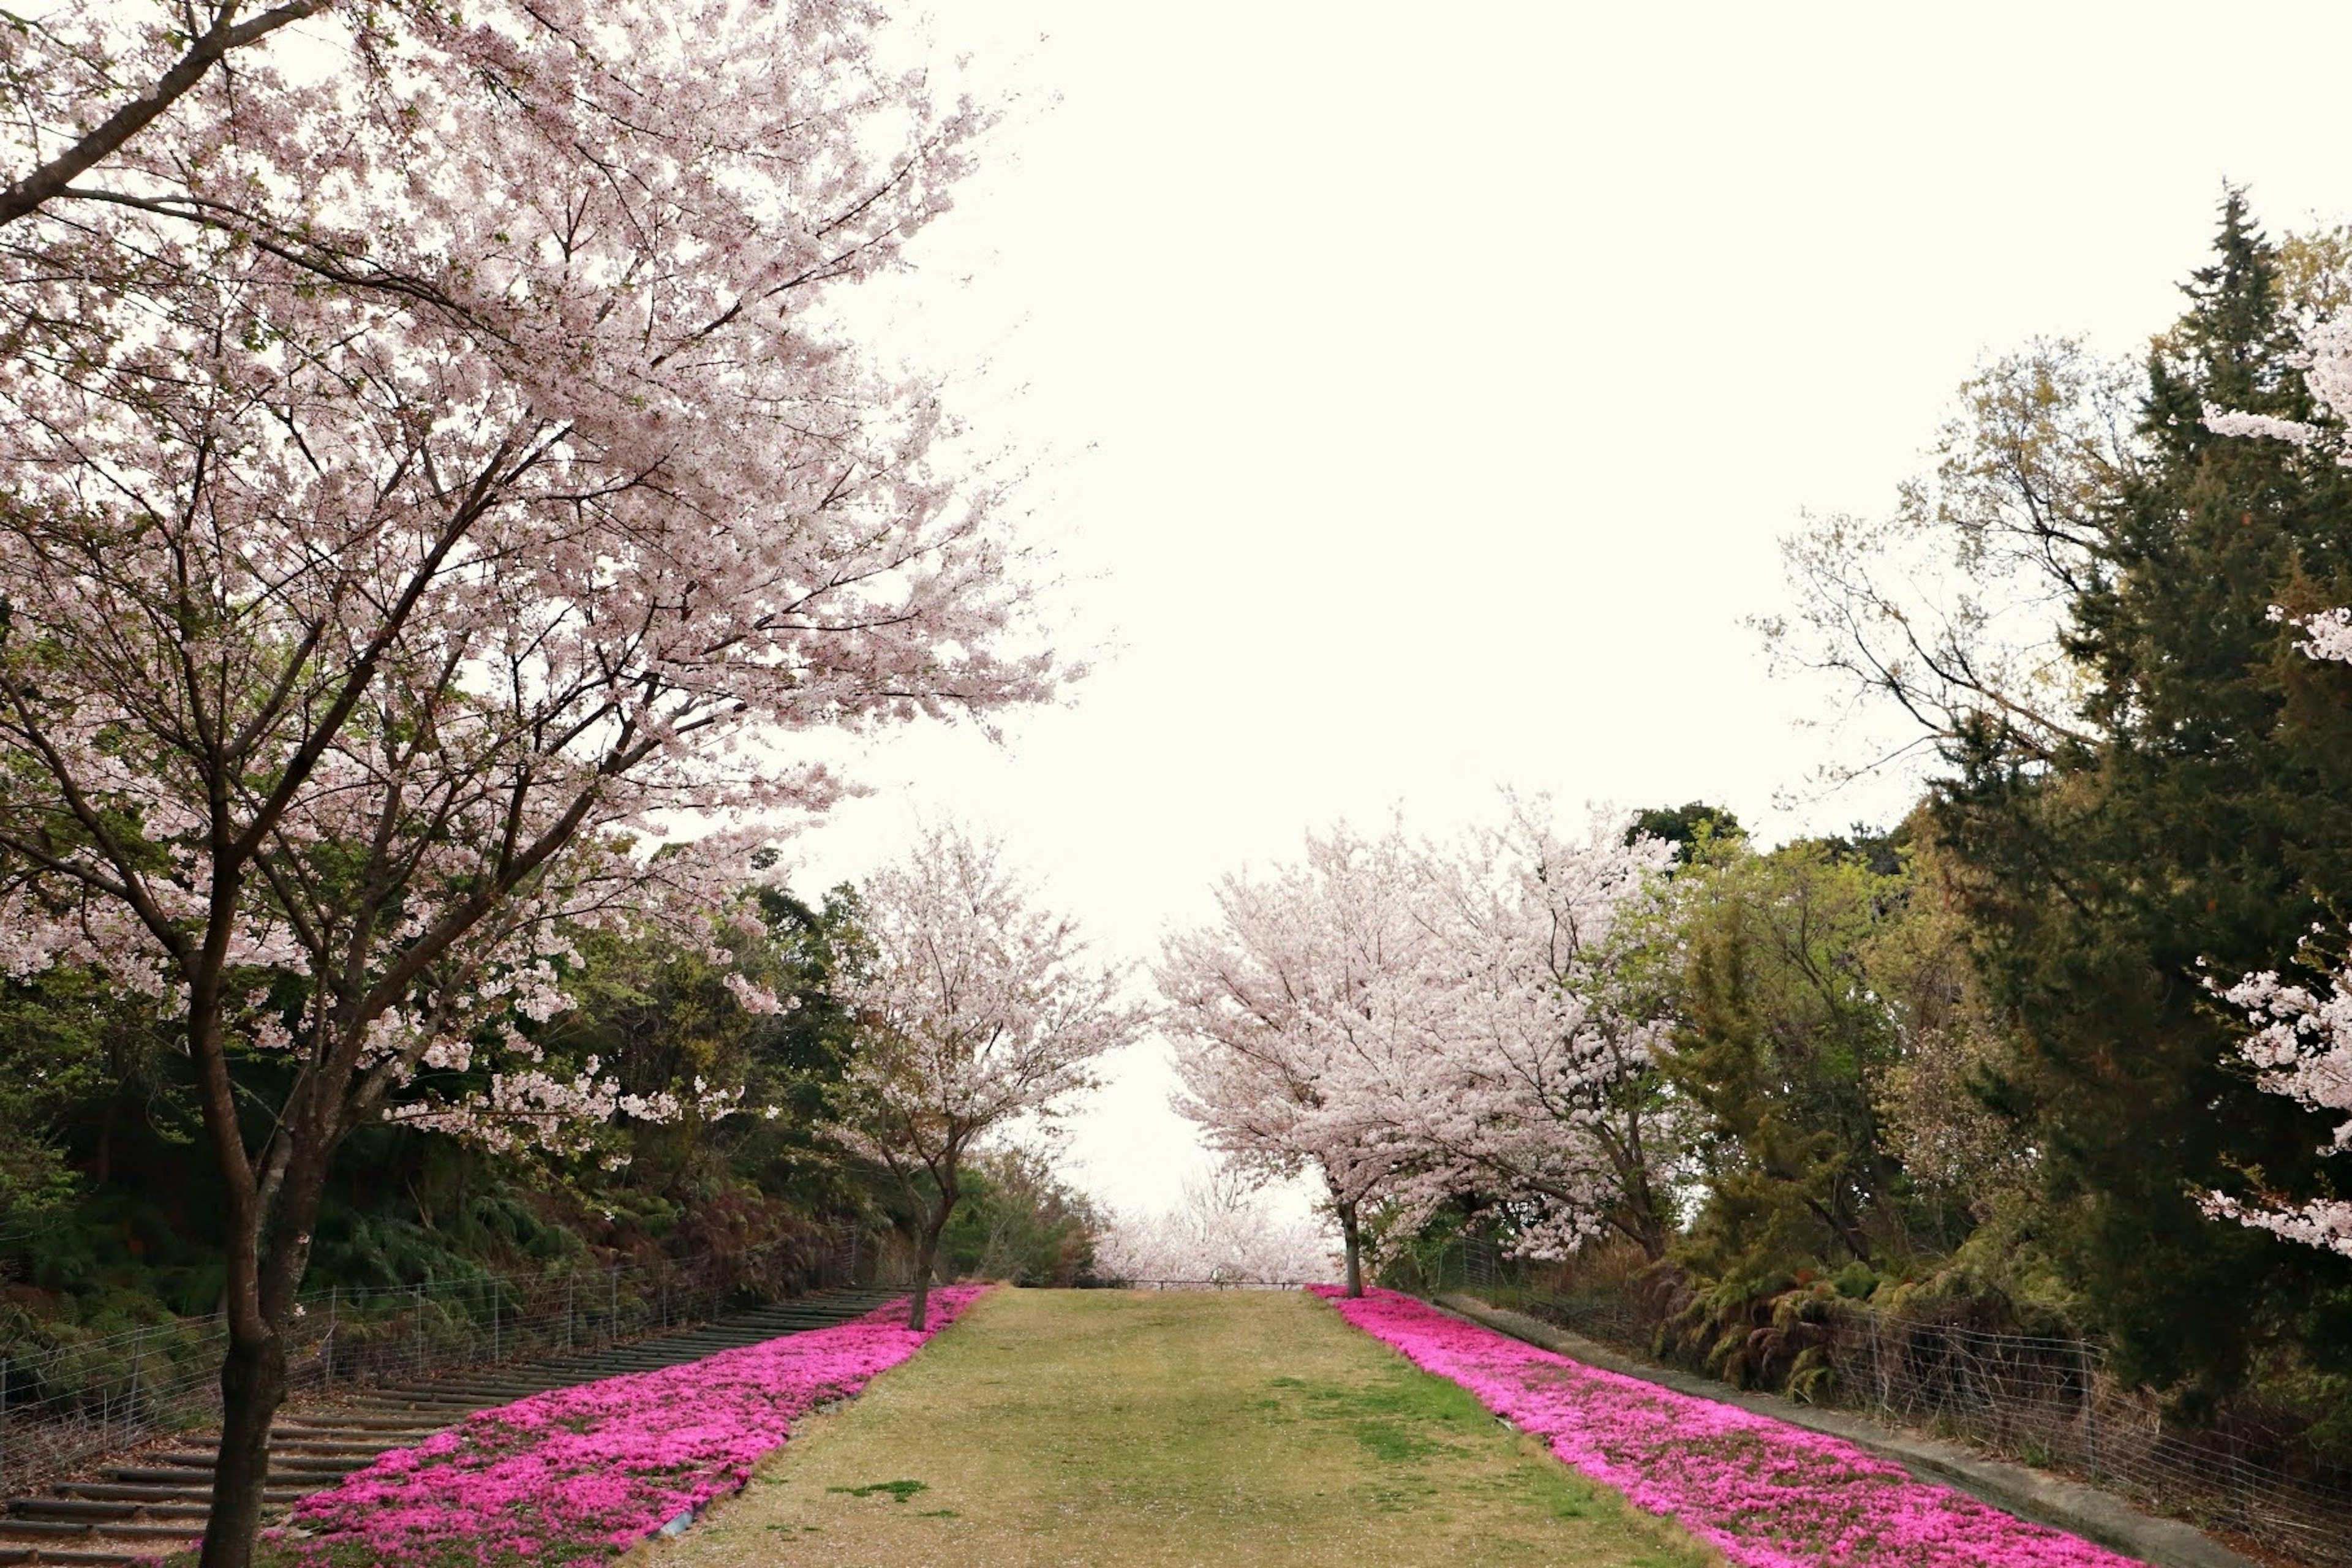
<point>575,1474</point>
<point>1086,1429</point>
<point>1768,1495</point>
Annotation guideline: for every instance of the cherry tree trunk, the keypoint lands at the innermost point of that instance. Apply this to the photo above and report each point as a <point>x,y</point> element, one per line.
<point>1641,1219</point>
<point>253,1383</point>
<point>924,1260</point>
<point>1352,1236</point>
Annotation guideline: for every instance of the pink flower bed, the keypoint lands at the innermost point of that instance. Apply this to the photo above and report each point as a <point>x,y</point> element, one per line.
<point>574,1474</point>
<point>1764,1493</point>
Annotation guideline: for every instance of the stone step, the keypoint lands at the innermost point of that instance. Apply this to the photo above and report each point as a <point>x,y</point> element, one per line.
<point>89,1509</point>
<point>337,1426</point>
<point>128,1491</point>
<point>12,1555</point>
<point>163,1497</point>
<point>13,1530</point>
<point>192,1468</point>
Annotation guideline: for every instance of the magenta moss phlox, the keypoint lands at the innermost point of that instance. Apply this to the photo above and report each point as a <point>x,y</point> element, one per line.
<point>574,1474</point>
<point>1764,1493</point>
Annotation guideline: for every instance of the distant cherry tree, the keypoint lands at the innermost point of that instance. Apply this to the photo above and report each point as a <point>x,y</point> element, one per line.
<point>1412,1023</point>
<point>976,1010</point>
<point>1220,1232</point>
<point>438,494</point>
<point>1297,1017</point>
<point>1542,1086</point>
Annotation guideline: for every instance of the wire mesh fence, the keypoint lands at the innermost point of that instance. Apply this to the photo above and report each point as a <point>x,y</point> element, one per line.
<point>2046,1402</point>
<point>63,1405</point>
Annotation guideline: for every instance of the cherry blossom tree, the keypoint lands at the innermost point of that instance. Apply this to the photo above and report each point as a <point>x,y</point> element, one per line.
<point>976,1009</point>
<point>2300,1043</point>
<point>433,478</point>
<point>1541,1086</point>
<point>1219,1233</point>
<point>1299,1017</point>
<point>1412,1023</point>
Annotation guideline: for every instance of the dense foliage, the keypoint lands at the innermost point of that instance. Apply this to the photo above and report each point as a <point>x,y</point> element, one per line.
<point>107,1213</point>
<point>1999,1055</point>
<point>440,491</point>
<point>2060,1052</point>
<point>2199,828</point>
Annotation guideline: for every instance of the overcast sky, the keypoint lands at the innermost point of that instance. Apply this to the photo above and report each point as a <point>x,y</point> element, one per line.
<point>1416,395</point>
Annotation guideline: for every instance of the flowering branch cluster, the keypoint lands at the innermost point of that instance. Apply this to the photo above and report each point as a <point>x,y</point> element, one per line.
<point>440,495</point>
<point>2301,1046</point>
<point>1220,1232</point>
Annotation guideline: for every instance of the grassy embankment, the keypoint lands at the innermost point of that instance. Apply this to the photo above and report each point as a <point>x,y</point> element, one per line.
<point>1098,1428</point>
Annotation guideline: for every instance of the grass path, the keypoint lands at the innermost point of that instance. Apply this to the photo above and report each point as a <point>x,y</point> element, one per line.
<point>1090,1428</point>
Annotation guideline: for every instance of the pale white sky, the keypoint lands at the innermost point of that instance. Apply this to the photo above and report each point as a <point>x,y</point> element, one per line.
<point>1417,394</point>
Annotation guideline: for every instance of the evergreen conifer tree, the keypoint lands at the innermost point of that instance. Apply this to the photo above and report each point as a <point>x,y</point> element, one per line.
<point>2206,821</point>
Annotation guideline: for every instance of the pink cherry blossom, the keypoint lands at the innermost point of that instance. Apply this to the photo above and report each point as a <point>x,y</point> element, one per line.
<point>1311,994</point>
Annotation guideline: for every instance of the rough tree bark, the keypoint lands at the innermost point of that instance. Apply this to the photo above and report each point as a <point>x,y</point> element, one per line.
<point>927,1255</point>
<point>272,1216</point>
<point>253,1384</point>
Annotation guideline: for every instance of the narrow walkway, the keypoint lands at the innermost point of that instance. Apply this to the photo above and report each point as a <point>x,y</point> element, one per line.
<point>1088,1429</point>
<point>160,1498</point>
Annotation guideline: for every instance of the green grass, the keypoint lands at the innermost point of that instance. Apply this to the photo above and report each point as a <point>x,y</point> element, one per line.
<point>898,1492</point>
<point>1096,1429</point>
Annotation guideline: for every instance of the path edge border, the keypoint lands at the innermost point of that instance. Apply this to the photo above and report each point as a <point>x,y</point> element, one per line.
<point>2065,1505</point>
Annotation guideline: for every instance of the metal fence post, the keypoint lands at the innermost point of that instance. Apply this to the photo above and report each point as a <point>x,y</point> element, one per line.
<point>2090,1407</point>
<point>1877,1360</point>
<point>327,1356</point>
<point>568,1283</point>
<point>416,1329</point>
<point>130,1405</point>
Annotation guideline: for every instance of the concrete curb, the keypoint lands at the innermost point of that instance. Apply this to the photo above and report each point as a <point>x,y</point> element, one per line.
<point>2030,1494</point>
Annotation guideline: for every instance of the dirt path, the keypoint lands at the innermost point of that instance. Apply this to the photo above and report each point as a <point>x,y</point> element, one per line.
<point>1098,1428</point>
